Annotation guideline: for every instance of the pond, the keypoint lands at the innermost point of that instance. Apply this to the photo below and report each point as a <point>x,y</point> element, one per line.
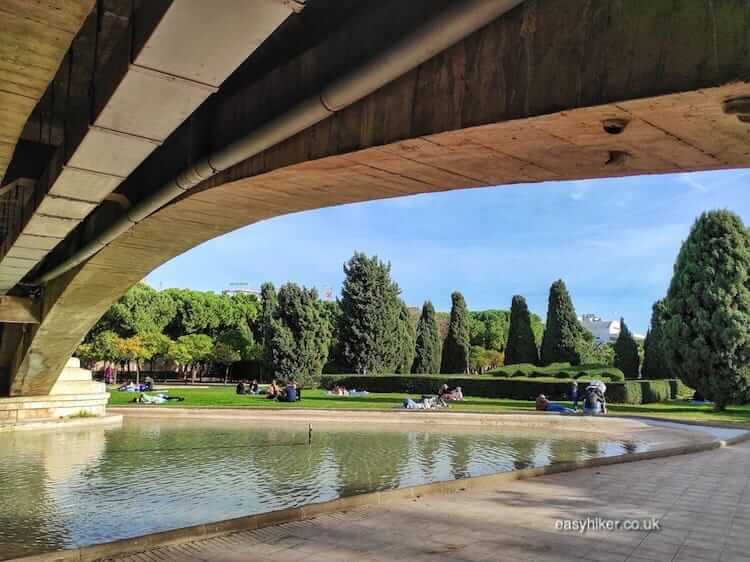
<point>85,486</point>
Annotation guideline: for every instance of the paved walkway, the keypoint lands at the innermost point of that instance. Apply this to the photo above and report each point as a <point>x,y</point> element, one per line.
<point>702,501</point>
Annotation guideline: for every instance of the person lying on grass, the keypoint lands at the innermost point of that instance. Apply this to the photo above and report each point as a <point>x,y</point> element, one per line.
<point>156,399</point>
<point>544,405</point>
<point>339,390</point>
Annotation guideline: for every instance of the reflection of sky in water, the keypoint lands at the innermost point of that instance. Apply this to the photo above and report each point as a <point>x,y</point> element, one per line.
<point>86,486</point>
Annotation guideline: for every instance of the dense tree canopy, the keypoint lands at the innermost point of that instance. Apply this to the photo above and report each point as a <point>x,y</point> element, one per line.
<point>655,364</point>
<point>521,346</point>
<point>406,341</point>
<point>428,345</point>
<point>457,346</point>
<point>298,337</point>
<point>626,352</point>
<point>142,309</point>
<point>370,311</point>
<point>563,332</point>
<point>707,328</point>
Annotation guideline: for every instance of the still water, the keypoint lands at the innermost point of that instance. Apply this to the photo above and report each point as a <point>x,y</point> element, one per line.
<point>77,487</point>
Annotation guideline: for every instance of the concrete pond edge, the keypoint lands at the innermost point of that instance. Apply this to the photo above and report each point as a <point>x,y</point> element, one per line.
<point>193,533</point>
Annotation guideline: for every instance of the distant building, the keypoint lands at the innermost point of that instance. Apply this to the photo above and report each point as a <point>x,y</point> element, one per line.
<point>604,331</point>
<point>255,292</point>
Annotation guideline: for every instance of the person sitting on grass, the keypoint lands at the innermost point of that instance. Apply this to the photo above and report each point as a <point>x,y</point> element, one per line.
<point>544,405</point>
<point>241,389</point>
<point>291,392</point>
<point>273,391</point>
<point>451,393</point>
<point>253,388</point>
<point>339,390</point>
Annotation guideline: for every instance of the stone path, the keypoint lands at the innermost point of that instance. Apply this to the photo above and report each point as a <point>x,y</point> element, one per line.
<point>702,502</point>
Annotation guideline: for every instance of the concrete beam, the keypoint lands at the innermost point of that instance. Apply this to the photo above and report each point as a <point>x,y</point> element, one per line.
<point>529,98</point>
<point>177,57</point>
<point>42,35</point>
<point>19,310</point>
<point>661,135</point>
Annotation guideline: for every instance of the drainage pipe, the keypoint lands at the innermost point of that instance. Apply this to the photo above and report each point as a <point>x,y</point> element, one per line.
<point>446,29</point>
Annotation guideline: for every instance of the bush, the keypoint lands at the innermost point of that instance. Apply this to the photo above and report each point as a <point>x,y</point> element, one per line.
<point>627,392</point>
<point>561,371</point>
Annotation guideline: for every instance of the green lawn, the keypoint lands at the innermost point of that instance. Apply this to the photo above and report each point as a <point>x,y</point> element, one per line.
<point>225,397</point>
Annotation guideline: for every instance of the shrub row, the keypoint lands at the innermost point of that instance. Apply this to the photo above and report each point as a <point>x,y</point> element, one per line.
<point>561,371</point>
<point>627,392</point>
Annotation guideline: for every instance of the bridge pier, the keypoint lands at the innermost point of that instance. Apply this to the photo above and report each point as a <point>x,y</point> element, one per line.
<point>74,394</point>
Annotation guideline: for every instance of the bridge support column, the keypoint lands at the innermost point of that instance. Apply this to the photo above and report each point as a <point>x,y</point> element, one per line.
<point>74,394</point>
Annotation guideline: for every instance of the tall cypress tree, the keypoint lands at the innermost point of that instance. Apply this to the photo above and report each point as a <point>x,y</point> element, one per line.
<point>654,362</point>
<point>521,347</point>
<point>707,331</point>
<point>563,331</point>
<point>457,344</point>
<point>626,352</point>
<point>269,304</point>
<point>369,321</point>
<point>427,352</point>
<point>298,337</point>
<point>405,338</point>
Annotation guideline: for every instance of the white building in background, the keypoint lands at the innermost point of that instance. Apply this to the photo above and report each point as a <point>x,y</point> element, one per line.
<point>605,331</point>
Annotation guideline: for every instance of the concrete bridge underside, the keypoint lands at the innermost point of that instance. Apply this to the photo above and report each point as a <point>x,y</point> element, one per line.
<point>553,90</point>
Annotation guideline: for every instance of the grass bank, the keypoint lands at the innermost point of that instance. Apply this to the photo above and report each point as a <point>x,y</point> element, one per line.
<point>225,397</point>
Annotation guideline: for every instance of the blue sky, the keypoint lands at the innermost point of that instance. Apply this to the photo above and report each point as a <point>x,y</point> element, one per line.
<point>614,243</point>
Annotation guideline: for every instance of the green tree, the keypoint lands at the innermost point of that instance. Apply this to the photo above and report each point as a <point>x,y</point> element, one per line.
<point>428,347</point>
<point>626,352</point>
<point>156,345</point>
<point>132,349</point>
<point>563,332</point>
<point>104,347</point>
<point>406,340</point>
<point>241,340</point>
<point>199,312</point>
<point>225,355</point>
<point>707,327</point>
<point>298,336</point>
<point>521,346</point>
<point>489,328</point>
<point>331,312</point>
<point>192,352</point>
<point>456,346</point>
<point>86,354</point>
<point>595,353</point>
<point>141,309</point>
<point>269,305</point>
<point>370,312</point>
<point>479,360</point>
<point>655,364</point>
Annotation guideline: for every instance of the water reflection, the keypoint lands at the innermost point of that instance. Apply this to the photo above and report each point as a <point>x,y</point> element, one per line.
<point>87,486</point>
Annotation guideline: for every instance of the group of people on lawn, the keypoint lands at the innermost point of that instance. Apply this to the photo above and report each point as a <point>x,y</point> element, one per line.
<point>445,394</point>
<point>594,403</point>
<point>281,391</point>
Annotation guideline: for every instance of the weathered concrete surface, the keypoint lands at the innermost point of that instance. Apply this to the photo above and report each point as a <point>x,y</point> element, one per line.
<point>33,42</point>
<point>522,100</point>
<point>73,393</point>
<point>663,134</point>
<point>702,502</point>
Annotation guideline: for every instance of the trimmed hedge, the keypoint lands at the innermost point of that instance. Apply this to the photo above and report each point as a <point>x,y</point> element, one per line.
<point>516,388</point>
<point>561,371</point>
